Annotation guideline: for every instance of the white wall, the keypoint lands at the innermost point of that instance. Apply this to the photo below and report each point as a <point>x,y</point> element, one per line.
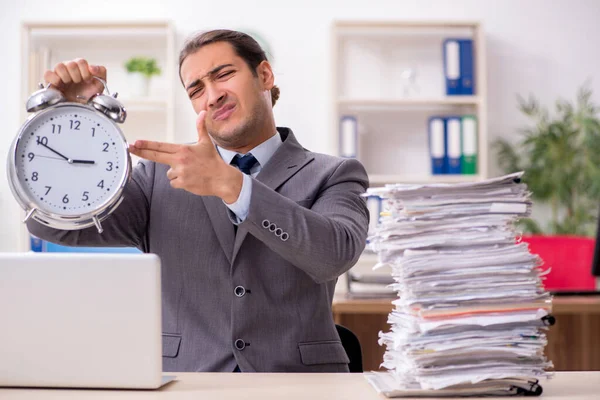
<point>535,46</point>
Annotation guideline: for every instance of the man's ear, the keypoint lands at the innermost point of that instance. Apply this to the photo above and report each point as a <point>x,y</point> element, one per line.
<point>265,75</point>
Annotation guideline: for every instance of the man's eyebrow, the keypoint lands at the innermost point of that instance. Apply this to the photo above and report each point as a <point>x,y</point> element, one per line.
<point>213,71</point>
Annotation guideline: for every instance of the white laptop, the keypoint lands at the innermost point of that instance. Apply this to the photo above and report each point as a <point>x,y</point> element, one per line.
<point>80,320</point>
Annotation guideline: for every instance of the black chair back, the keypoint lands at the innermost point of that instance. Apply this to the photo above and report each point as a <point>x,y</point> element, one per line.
<point>352,346</point>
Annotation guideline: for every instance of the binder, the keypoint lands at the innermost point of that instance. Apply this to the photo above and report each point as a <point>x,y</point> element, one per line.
<point>453,147</point>
<point>452,67</point>
<point>467,67</point>
<point>348,137</point>
<point>36,244</point>
<point>42,246</point>
<point>374,206</point>
<point>384,383</point>
<point>469,144</point>
<point>437,145</point>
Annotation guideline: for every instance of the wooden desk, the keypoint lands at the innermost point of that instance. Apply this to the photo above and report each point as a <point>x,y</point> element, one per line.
<point>224,386</point>
<point>573,342</point>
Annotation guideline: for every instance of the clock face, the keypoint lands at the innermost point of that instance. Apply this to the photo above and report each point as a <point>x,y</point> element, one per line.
<point>70,160</point>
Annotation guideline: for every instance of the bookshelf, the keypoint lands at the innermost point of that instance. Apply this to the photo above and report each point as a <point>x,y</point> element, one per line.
<point>370,61</point>
<point>44,44</point>
<point>389,76</point>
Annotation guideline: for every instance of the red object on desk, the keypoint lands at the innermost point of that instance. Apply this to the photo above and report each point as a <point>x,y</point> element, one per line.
<point>570,258</point>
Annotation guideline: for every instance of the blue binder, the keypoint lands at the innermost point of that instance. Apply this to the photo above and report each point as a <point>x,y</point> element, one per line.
<point>452,67</point>
<point>467,67</point>
<point>42,246</point>
<point>453,144</point>
<point>437,145</point>
<point>374,206</point>
<point>348,137</point>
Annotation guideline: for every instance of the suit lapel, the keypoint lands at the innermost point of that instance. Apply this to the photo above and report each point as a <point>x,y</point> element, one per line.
<point>217,212</point>
<point>287,160</point>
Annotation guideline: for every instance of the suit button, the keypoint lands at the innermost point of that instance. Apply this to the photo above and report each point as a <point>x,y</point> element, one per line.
<point>239,291</point>
<point>284,236</point>
<point>278,232</point>
<point>272,227</point>
<point>266,223</point>
<point>239,344</point>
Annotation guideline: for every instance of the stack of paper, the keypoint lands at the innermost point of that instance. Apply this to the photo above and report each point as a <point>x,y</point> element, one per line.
<point>472,310</point>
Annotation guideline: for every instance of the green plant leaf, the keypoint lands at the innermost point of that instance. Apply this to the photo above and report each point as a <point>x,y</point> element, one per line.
<point>560,155</point>
<point>143,65</point>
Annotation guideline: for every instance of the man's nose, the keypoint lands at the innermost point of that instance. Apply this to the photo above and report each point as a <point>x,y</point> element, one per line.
<point>215,96</point>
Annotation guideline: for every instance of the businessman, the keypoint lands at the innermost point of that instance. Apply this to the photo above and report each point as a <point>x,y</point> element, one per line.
<point>252,229</point>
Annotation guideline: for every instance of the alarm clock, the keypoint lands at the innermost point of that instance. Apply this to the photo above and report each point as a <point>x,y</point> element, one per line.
<point>69,163</point>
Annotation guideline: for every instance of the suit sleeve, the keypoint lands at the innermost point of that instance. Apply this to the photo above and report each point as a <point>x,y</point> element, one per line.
<point>325,240</point>
<point>125,227</point>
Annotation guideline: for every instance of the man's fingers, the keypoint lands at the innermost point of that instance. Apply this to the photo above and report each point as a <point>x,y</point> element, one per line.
<point>84,69</point>
<point>152,155</point>
<point>52,78</point>
<point>61,70</point>
<point>176,183</point>
<point>73,69</point>
<point>201,126</point>
<point>171,174</point>
<point>157,146</point>
<point>99,71</point>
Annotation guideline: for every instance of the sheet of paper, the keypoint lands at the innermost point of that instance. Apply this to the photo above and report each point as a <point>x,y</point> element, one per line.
<point>471,307</point>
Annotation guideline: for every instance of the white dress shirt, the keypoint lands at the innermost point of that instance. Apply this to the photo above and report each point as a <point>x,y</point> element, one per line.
<point>263,153</point>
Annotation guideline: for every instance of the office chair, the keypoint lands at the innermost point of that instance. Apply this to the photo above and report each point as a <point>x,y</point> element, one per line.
<point>352,346</point>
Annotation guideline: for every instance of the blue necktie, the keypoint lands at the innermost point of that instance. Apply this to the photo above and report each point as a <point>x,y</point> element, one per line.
<point>244,163</point>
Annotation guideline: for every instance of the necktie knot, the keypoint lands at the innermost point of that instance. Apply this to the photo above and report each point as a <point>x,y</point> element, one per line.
<point>245,162</point>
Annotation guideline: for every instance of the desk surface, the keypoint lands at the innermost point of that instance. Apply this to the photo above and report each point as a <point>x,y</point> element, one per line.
<point>560,305</point>
<point>223,386</point>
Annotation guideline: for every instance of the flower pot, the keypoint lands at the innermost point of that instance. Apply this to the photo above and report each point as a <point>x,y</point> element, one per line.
<point>570,259</point>
<point>139,84</point>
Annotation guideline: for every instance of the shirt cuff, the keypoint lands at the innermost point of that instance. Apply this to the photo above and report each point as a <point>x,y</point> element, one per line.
<point>241,206</point>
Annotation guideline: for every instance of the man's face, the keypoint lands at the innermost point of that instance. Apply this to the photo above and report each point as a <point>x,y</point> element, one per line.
<point>220,82</point>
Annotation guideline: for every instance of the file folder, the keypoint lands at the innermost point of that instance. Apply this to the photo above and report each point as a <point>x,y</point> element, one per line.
<point>43,246</point>
<point>453,144</point>
<point>467,68</point>
<point>348,137</point>
<point>384,383</point>
<point>452,67</point>
<point>469,144</point>
<point>374,206</point>
<point>437,145</point>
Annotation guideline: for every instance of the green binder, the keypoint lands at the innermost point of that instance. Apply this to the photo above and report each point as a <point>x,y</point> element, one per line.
<point>468,144</point>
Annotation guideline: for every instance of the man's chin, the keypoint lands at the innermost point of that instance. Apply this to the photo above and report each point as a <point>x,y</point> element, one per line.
<point>227,136</point>
<point>231,133</point>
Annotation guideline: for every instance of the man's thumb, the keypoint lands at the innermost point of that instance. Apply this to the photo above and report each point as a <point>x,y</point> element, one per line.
<point>201,126</point>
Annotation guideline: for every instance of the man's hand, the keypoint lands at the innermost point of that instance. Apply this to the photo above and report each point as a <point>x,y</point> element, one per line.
<point>74,78</point>
<point>197,168</point>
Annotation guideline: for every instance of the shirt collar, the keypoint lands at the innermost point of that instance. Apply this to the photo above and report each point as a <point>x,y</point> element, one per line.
<point>263,152</point>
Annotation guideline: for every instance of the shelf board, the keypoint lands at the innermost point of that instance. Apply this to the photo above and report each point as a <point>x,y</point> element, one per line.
<point>380,180</point>
<point>103,36</point>
<point>143,104</point>
<point>408,102</point>
<point>405,24</point>
<point>70,30</point>
<point>390,29</point>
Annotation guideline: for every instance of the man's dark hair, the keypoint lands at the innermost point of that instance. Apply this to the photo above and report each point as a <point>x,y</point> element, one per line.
<point>244,46</point>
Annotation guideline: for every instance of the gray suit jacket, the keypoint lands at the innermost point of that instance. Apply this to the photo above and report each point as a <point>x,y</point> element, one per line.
<point>260,298</point>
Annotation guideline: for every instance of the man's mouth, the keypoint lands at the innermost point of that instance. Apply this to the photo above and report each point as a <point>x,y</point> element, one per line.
<point>223,112</point>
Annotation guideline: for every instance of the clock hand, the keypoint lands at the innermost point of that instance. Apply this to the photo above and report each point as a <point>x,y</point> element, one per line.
<point>82,162</point>
<point>54,151</point>
<point>52,158</point>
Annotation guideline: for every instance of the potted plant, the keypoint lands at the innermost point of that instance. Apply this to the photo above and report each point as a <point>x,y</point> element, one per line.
<point>141,69</point>
<point>560,155</point>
